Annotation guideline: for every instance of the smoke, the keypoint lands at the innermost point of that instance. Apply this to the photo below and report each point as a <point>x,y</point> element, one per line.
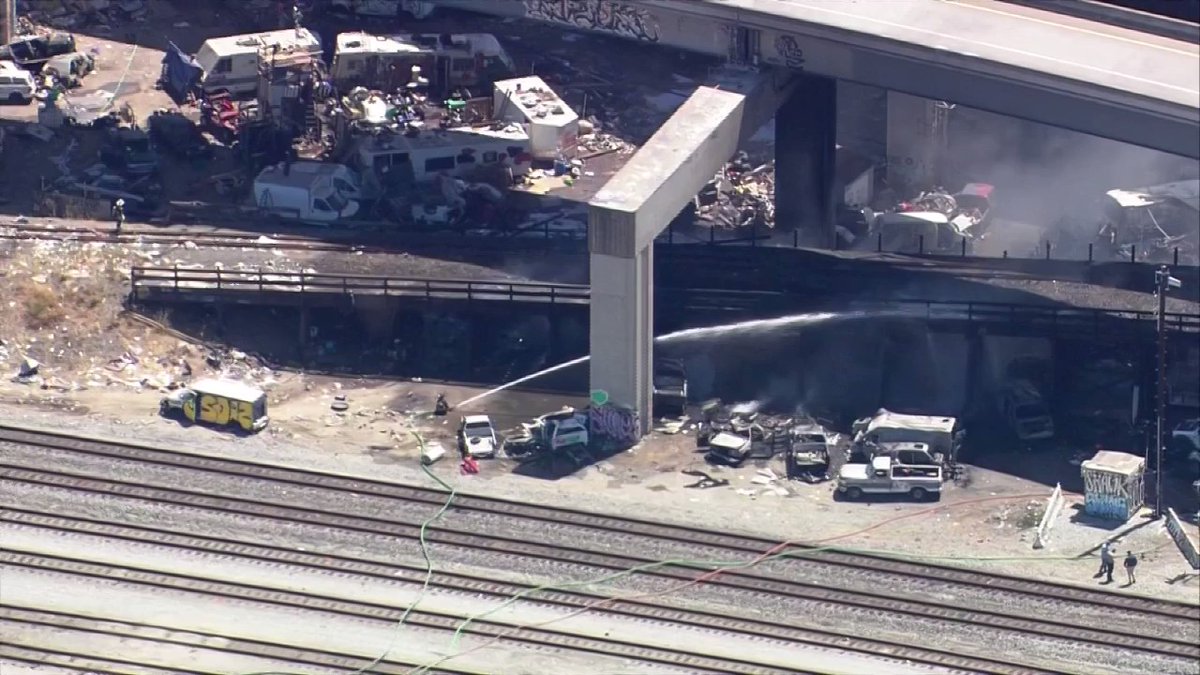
<point>1044,174</point>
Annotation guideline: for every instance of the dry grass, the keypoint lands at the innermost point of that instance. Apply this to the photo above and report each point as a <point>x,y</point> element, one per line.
<point>43,308</point>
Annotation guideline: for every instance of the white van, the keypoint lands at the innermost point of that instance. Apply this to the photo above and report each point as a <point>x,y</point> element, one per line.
<point>16,84</point>
<point>232,63</point>
<point>310,192</point>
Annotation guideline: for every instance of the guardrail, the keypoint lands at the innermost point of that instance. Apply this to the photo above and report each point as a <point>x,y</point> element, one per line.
<point>155,282</point>
<point>149,282</point>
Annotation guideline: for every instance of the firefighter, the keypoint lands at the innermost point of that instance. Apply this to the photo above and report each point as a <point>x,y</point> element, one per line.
<point>118,212</point>
<point>440,406</point>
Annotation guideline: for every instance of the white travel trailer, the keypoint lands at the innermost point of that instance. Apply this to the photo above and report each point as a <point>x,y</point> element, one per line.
<point>447,61</point>
<point>232,63</point>
<point>551,124</point>
<point>310,192</point>
<point>424,155</point>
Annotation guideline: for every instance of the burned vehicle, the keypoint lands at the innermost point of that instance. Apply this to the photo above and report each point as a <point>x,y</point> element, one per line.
<point>732,436</point>
<point>934,222</point>
<point>33,51</point>
<point>129,151</point>
<point>70,69</point>
<point>1152,221</point>
<point>559,433</point>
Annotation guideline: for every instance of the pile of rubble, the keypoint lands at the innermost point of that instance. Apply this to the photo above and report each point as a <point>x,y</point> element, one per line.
<point>739,196</point>
<point>69,14</point>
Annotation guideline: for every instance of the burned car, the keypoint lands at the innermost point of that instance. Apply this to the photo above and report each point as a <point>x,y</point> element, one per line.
<point>178,135</point>
<point>670,387</point>
<point>33,51</point>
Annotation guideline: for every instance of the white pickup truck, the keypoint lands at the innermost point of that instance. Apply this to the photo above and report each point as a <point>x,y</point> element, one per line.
<point>884,476</point>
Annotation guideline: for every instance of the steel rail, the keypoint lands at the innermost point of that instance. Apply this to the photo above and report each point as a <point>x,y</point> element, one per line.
<point>475,583</point>
<point>734,542</point>
<point>126,630</point>
<point>311,601</point>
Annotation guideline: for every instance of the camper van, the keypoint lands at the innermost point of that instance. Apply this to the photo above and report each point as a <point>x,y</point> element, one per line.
<point>551,124</point>
<point>423,155</point>
<point>232,63</point>
<point>310,192</point>
<point>448,61</point>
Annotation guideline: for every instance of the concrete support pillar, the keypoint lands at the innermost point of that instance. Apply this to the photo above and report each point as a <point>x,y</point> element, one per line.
<point>8,20</point>
<point>805,155</point>
<point>622,330</point>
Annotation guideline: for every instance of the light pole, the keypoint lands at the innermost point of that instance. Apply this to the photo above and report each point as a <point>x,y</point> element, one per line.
<point>1163,282</point>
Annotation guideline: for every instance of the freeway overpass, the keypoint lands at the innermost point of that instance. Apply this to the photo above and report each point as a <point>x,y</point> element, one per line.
<point>1011,59</point>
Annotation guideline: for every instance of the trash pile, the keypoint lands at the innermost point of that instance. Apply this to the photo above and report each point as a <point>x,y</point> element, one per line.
<point>67,14</point>
<point>740,195</point>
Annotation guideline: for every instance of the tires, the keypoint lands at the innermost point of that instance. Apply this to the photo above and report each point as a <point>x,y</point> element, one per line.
<point>854,493</point>
<point>16,98</point>
<point>918,493</point>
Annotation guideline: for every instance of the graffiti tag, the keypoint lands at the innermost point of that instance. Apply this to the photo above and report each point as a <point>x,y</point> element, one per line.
<point>1111,495</point>
<point>620,18</point>
<point>788,48</point>
<point>614,426</point>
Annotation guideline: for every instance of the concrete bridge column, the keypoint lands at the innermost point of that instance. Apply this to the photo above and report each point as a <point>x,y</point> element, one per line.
<point>805,155</point>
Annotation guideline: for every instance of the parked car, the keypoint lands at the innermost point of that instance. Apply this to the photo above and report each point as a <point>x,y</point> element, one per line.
<point>477,436</point>
<point>16,85</point>
<point>1185,443</point>
<point>33,51</point>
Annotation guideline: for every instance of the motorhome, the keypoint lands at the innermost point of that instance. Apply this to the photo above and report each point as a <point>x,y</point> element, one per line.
<point>421,156</point>
<point>447,62</point>
<point>311,192</point>
<point>551,124</point>
<point>942,435</point>
<point>232,63</point>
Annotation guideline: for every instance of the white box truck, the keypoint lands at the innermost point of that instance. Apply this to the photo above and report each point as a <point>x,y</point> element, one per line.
<point>309,192</point>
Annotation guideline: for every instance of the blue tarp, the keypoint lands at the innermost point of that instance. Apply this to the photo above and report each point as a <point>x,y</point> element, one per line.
<point>181,74</point>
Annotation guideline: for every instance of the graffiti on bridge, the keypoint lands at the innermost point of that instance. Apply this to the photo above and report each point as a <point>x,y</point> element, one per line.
<point>613,427</point>
<point>788,48</point>
<point>620,18</point>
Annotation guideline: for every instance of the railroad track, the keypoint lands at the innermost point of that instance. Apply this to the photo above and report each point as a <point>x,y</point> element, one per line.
<point>390,571</point>
<point>1150,640</point>
<point>24,619</point>
<point>387,614</point>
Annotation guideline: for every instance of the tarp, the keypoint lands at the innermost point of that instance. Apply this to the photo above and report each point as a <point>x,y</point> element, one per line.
<point>181,74</point>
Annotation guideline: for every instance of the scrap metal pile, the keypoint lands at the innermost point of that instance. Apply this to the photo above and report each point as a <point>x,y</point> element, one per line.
<point>740,195</point>
<point>91,13</point>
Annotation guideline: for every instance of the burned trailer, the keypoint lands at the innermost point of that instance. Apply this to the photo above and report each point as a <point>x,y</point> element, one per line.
<point>887,432</point>
<point>1151,223</point>
<point>935,221</point>
<point>562,433</point>
<point>440,62</point>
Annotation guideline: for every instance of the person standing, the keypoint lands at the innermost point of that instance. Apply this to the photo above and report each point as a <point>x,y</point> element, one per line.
<point>118,212</point>
<point>1131,562</point>
<point>1106,562</point>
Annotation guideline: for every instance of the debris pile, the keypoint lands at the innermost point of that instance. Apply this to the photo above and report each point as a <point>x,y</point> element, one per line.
<point>68,14</point>
<point>733,435</point>
<point>740,195</point>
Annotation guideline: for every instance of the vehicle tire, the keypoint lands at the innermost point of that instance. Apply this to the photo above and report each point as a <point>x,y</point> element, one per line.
<point>919,494</point>
<point>854,493</point>
<point>17,98</point>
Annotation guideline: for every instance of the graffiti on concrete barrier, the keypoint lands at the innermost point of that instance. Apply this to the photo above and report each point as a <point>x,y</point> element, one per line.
<point>613,427</point>
<point>1111,495</point>
<point>788,48</point>
<point>620,18</point>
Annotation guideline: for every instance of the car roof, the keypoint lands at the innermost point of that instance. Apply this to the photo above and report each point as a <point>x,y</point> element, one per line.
<point>477,419</point>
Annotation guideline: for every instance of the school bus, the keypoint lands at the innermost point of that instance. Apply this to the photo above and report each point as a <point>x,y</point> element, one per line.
<point>218,403</point>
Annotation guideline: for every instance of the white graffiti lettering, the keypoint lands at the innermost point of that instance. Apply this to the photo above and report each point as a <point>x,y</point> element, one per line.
<point>620,18</point>
<point>614,426</point>
<point>1111,495</point>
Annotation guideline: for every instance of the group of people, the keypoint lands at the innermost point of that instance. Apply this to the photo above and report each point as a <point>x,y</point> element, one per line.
<point>1108,563</point>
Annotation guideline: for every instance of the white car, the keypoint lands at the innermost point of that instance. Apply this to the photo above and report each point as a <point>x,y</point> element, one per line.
<point>477,436</point>
<point>1185,442</point>
<point>16,84</point>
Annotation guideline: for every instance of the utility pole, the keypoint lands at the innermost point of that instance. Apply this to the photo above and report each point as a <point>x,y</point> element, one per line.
<point>8,20</point>
<point>1163,283</point>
